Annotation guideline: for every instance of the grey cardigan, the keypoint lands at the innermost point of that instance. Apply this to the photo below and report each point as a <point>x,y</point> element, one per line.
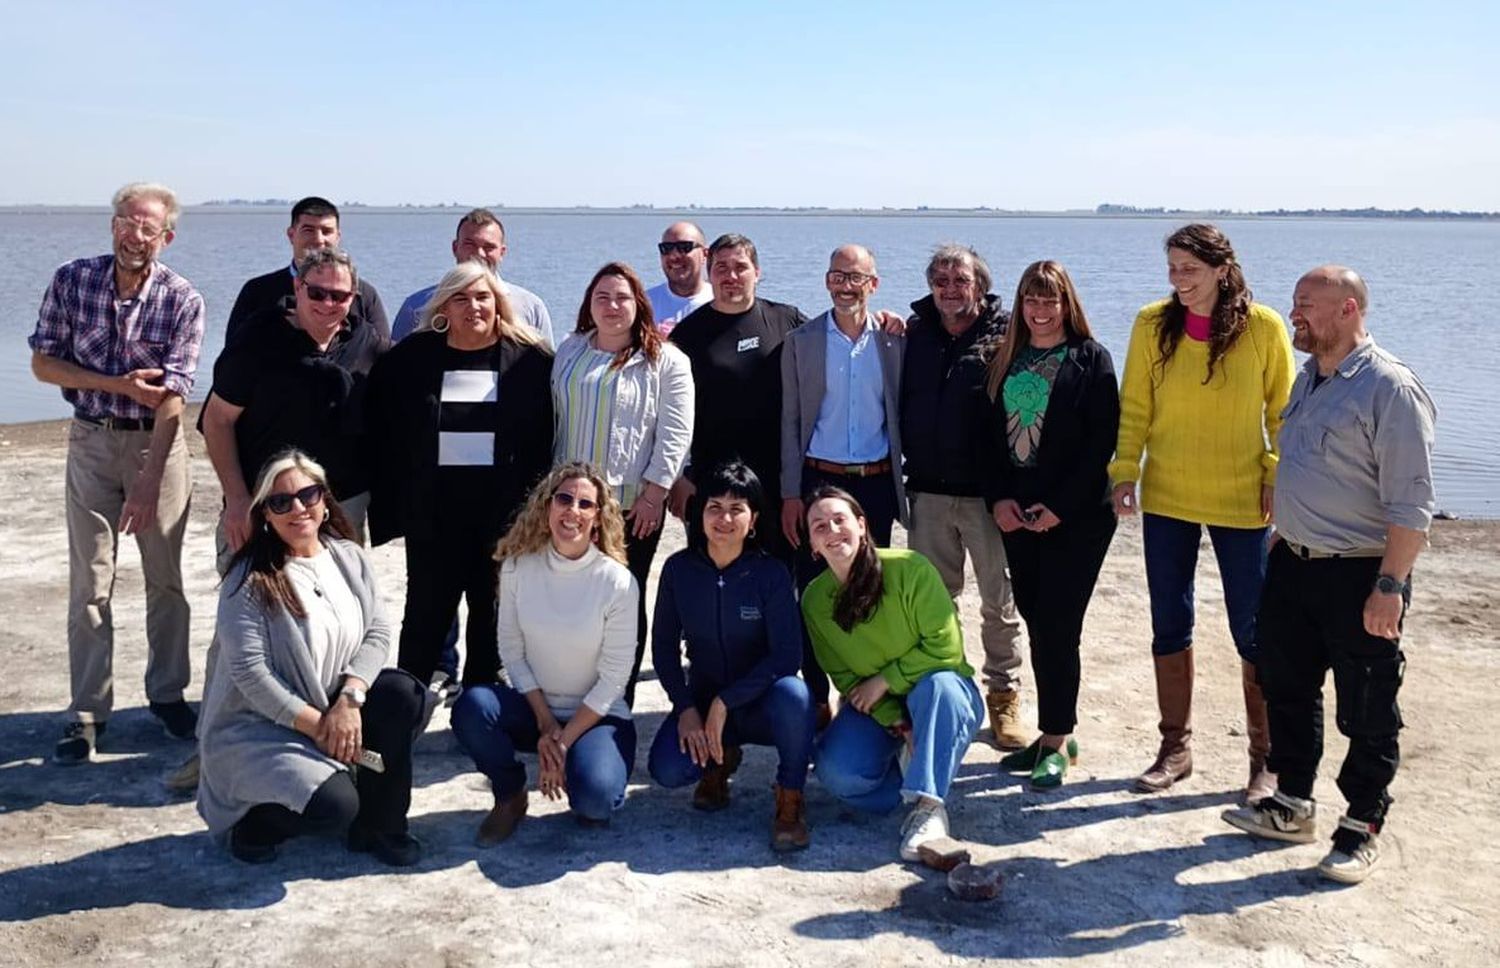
<point>260,677</point>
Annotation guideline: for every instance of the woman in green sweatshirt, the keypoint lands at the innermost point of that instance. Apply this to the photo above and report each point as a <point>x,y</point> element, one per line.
<point>883,628</point>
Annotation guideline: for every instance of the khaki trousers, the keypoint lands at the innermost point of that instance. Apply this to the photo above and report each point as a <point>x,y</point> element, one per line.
<point>943,528</point>
<point>102,466</point>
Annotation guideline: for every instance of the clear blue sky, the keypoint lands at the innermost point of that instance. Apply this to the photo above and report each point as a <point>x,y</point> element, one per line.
<point>1014,105</point>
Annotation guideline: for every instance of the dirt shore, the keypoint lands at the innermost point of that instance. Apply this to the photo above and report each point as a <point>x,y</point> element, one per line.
<point>98,865</point>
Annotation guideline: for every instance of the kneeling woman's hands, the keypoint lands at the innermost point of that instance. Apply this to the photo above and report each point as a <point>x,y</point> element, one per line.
<point>552,760</point>
<point>865,695</point>
<point>339,731</point>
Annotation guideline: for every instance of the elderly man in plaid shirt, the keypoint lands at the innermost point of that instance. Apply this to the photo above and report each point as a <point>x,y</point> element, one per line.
<point>120,334</point>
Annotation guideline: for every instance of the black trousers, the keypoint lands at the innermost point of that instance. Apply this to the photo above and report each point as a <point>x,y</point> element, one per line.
<point>877,495</point>
<point>439,572</point>
<point>1312,621</point>
<point>1053,574</point>
<point>377,802</point>
<point>639,553</point>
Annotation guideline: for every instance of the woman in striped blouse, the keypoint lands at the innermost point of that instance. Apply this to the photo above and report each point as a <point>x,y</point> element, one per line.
<point>623,402</point>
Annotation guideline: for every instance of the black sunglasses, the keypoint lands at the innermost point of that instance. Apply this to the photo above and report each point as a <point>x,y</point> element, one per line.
<point>565,500</point>
<point>681,248</point>
<point>320,294</point>
<point>310,496</point>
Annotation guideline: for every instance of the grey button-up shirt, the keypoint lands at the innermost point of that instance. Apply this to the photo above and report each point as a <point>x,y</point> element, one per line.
<point>1356,454</point>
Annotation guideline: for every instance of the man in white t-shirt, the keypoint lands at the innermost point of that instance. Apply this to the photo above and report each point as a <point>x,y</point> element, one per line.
<point>683,256</point>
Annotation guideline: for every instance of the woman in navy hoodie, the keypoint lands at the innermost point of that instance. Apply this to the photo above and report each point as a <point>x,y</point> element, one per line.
<point>733,605</point>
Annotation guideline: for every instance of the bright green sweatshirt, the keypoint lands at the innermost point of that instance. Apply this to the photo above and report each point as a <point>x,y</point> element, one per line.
<point>913,632</point>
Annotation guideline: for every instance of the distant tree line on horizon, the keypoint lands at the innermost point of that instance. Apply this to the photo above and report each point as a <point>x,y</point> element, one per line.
<point>1108,209</point>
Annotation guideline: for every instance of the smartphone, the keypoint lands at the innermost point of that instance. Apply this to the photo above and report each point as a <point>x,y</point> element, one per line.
<point>371,760</point>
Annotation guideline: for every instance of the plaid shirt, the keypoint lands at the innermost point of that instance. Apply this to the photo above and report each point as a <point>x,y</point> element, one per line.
<point>83,322</point>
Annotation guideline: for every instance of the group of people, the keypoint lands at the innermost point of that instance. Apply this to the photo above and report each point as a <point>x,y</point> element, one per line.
<point>531,484</point>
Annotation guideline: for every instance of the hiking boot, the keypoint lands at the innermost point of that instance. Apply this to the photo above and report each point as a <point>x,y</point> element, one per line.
<point>1278,817</point>
<point>928,821</point>
<point>789,824</point>
<point>1005,718</point>
<point>1356,851</point>
<point>177,718</point>
<point>1174,699</point>
<point>399,849</point>
<point>502,819</point>
<point>77,743</point>
<point>712,792</point>
<point>1262,781</point>
<point>184,779</point>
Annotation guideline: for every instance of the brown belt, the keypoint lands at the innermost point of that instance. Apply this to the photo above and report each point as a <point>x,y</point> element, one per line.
<point>850,470</point>
<point>1308,554</point>
<point>118,423</point>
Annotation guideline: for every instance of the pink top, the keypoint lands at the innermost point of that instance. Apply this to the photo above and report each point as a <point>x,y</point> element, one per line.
<point>1198,327</point>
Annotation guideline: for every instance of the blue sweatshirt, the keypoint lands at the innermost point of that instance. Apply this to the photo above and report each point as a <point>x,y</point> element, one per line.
<point>741,624</point>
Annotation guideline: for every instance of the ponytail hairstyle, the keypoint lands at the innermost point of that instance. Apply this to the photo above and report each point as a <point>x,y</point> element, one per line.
<point>858,598</point>
<point>1232,310</point>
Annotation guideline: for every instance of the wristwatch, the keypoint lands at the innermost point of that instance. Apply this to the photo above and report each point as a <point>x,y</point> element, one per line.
<point>354,694</point>
<point>1391,585</point>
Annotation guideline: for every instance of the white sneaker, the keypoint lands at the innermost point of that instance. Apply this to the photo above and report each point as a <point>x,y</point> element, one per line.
<point>1351,860</point>
<point>1277,817</point>
<point>928,821</point>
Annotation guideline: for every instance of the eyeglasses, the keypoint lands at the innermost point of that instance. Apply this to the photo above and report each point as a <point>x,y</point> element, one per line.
<point>145,230</point>
<point>837,278</point>
<point>319,294</point>
<point>565,500</point>
<point>309,497</point>
<point>943,282</point>
<point>681,248</point>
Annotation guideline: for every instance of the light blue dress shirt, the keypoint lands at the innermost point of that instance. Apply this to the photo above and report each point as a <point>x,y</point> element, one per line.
<point>851,419</point>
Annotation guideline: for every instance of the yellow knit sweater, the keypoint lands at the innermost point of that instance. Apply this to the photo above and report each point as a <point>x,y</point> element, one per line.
<point>1208,447</point>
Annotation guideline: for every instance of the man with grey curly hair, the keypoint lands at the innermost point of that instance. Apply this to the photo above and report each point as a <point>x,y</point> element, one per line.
<point>120,334</point>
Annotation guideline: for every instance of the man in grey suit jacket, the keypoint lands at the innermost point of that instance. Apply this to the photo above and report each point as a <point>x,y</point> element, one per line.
<point>841,378</point>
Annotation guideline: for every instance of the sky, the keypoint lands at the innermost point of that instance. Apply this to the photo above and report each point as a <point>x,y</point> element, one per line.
<point>1038,106</point>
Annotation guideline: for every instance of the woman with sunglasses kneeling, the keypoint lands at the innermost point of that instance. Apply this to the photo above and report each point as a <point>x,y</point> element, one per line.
<point>884,629</point>
<point>567,637</point>
<point>298,692</point>
<point>734,606</point>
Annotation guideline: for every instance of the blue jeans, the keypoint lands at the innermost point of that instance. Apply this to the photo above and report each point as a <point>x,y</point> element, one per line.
<point>858,760</point>
<point>493,722</point>
<point>1171,560</point>
<point>782,717</point>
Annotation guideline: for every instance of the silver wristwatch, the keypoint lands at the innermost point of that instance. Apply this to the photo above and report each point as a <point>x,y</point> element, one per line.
<point>354,694</point>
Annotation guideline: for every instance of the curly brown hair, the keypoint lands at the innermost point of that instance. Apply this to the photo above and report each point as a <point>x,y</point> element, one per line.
<point>530,532</point>
<point>644,335</point>
<point>1232,310</point>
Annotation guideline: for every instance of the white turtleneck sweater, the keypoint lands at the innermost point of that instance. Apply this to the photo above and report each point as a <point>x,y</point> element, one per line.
<point>567,627</point>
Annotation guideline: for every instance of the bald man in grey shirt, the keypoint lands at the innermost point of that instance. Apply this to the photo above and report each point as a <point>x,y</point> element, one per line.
<point>1354,502</point>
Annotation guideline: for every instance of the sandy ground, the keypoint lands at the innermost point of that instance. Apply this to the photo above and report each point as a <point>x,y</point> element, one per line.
<point>98,865</point>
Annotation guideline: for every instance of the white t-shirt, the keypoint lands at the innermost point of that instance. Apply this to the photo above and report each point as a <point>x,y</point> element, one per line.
<point>669,309</point>
<point>333,624</point>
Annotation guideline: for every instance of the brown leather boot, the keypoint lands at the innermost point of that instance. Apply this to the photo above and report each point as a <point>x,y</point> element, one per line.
<point>712,792</point>
<point>502,819</point>
<point>1174,697</point>
<point>1005,718</point>
<point>789,825</point>
<point>1258,728</point>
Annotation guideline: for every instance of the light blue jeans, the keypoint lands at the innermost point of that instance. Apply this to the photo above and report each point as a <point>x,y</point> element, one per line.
<point>859,761</point>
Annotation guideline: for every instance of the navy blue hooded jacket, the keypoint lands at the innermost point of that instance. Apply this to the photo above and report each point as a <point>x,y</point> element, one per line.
<point>742,627</point>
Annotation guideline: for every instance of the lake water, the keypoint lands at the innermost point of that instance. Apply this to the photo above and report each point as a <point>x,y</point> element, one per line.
<point>1435,286</point>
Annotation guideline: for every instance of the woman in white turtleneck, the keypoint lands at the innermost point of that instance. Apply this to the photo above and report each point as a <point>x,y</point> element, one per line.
<point>567,631</point>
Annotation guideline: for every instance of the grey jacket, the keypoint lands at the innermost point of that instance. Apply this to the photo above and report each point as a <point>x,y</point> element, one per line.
<point>262,676</point>
<point>804,357</point>
<point>651,421</point>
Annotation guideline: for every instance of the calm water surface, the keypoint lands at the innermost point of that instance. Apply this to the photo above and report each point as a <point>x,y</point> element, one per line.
<point>1435,286</point>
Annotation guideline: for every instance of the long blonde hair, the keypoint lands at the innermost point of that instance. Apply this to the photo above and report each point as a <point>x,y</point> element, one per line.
<point>530,533</point>
<point>461,277</point>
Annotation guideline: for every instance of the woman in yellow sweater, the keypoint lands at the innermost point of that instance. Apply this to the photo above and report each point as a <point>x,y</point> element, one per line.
<point>1206,377</point>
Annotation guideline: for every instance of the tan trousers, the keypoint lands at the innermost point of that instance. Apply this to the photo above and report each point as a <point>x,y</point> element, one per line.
<point>102,466</point>
<point>943,528</point>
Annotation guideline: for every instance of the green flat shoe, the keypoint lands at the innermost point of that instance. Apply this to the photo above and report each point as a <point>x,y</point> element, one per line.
<point>1052,767</point>
<point>1024,761</point>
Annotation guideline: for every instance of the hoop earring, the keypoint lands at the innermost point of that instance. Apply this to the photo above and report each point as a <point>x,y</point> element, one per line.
<point>751,534</point>
<point>327,512</point>
<point>434,323</point>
